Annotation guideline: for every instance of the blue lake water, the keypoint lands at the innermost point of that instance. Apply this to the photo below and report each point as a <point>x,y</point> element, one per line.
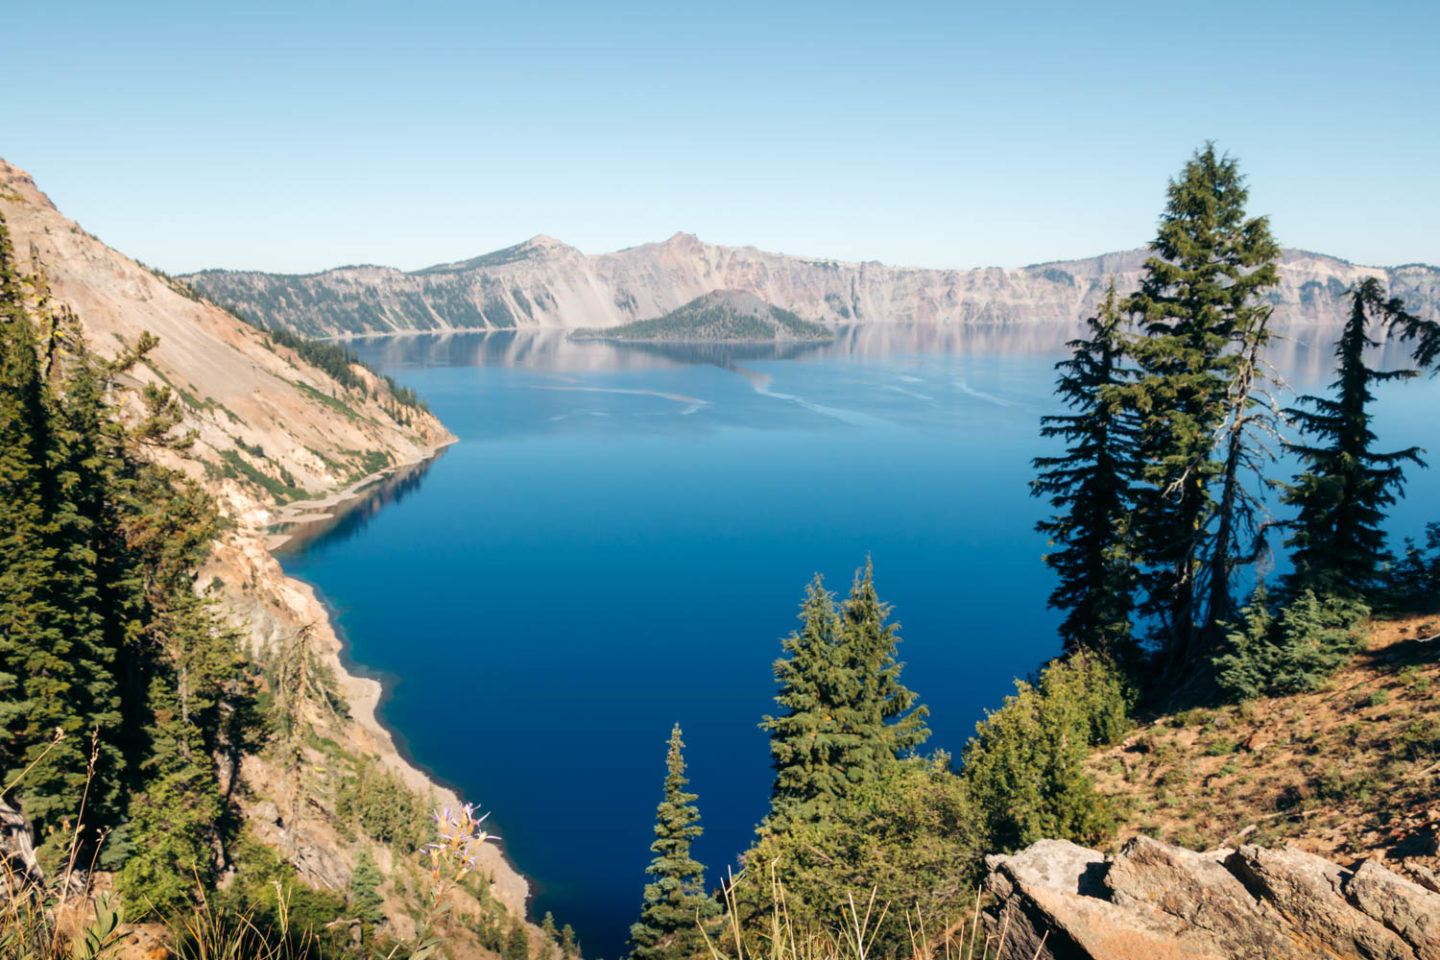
<point>623,534</point>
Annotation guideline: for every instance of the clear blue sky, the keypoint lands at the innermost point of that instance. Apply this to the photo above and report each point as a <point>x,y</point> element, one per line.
<point>295,136</point>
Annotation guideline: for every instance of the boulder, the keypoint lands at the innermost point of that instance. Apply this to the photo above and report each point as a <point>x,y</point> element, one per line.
<point>1406,908</point>
<point>1154,901</point>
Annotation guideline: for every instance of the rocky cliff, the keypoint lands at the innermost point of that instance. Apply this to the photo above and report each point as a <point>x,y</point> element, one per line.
<point>277,439</point>
<point>1155,901</point>
<point>544,283</point>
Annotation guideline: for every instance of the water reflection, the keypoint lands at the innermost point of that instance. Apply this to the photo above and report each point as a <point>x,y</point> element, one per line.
<point>1302,352</point>
<point>348,518</point>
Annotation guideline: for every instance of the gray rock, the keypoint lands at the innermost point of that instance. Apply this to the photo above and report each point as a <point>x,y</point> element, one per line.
<point>1210,902</point>
<point>1308,891</point>
<point>1154,901</point>
<point>1406,908</point>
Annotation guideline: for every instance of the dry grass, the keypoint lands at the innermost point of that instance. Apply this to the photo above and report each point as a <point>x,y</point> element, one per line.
<point>852,934</point>
<point>1349,770</point>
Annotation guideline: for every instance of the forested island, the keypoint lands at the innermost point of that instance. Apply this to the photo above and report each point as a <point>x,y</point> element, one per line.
<point>157,763</point>
<point>724,316</point>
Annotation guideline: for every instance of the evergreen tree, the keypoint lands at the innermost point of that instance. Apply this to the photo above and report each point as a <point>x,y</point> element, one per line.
<point>552,936</point>
<point>1092,486</point>
<point>880,713</point>
<point>1337,540</point>
<point>29,629</point>
<point>807,742</point>
<point>1198,309</point>
<point>365,898</point>
<point>1293,653</point>
<point>517,946</point>
<point>75,599</point>
<point>569,946</point>
<point>118,682</point>
<point>676,904</point>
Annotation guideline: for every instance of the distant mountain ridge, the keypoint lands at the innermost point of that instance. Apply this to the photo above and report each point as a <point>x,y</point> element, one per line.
<point>543,283</point>
<point>724,316</point>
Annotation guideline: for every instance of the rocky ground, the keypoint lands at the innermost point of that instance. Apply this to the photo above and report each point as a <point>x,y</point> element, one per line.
<point>1154,901</point>
<point>1347,771</point>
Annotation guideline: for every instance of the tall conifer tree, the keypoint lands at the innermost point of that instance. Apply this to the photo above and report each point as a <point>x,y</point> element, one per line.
<point>883,716</point>
<point>1092,487</point>
<point>1337,541</point>
<point>1198,306</point>
<point>807,741</point>
<point>63,624</point>
<point>675,901</point>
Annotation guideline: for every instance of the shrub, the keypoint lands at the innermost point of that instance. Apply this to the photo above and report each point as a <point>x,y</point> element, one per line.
<point>911,837</point>
<point>1412,583</point>
<point>1293,653</point>
<point>1025,764</point>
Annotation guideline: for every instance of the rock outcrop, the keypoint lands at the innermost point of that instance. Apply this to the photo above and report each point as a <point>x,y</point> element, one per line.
<point>1153,901</point>
<point>543,283</point>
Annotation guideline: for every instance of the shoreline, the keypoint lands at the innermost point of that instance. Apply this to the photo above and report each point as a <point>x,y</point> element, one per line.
<point>367,691</point>
<point>334,505</point>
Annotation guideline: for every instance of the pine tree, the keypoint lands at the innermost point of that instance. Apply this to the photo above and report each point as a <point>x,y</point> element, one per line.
<point>1337,540</point>
<point>552,936</point>
<point>28,620</point>
<point>365,898</point>
<point>1092,486</point>
<point>807,742</point>
<point>517,946</point>
<point>569,946</point>
<point>67,614</point>
<point>881,714</point>
<point>675,904</point>
<point>1198,308</point>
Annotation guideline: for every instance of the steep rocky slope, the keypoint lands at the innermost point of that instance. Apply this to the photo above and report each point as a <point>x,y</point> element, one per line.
<point>277,439</point>
<point>544,283</point>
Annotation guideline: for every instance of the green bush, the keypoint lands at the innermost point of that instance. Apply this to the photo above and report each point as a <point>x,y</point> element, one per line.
<point>1025,764</point>
<point>1412,583</point>
<point>382,806</point>
<point>1293,652</point>
<point>912,837</point>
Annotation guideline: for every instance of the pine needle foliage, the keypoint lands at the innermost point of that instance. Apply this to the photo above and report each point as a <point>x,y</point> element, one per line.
<point>807,740</point>
<point>1025,766</point>
<point>1200,312</point>
<point>676,905</point>
<point>847,715</point>
<point>1092,487</point>
<point>1337,539</point>
<point>106,650</point>
<point>1294,652</point>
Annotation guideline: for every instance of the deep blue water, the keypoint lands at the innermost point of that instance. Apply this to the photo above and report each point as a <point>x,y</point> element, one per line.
<point>623,534</point>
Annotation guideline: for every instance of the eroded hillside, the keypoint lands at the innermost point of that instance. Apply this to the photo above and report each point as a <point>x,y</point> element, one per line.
<point>545,283</point>
<point>277,437</point>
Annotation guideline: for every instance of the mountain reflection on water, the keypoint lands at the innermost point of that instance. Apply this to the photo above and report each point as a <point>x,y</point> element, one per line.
<point>1302,352</point>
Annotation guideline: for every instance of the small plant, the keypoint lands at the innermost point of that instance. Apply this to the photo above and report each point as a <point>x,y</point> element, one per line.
<point>450,859</point>
<point>1220,747</point>
<point>1378,698</point>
